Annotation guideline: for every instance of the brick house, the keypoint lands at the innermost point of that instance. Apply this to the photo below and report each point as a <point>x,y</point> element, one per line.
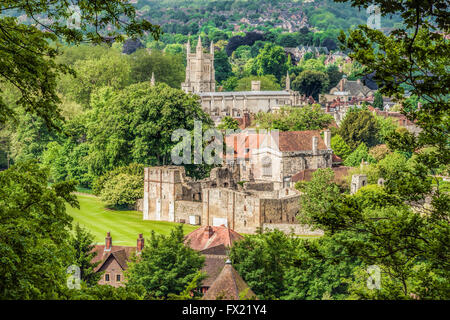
<point>114,260</point>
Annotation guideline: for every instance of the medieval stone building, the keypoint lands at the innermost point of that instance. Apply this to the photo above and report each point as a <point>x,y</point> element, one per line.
<point>244,195</point>
<point>200,80</point>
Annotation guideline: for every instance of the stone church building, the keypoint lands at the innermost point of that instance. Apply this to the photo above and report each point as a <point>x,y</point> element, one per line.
<point>200,80</point>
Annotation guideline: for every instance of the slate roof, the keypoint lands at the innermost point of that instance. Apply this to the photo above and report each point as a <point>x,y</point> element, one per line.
<point>354,88</point>
<point>228,286</point>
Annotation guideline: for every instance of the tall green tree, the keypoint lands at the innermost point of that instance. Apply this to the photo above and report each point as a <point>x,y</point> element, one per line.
<point>407,240</point>
<point>165,266</point>
<point>228,123</point>
<point>311,83</point>
<point>34,243</point>
<point>271,60</point>
<point>28,54</point>
<point>83,244</point>
<point>136,125</point>
<point>359,126</point>
<point>340,147</point>
<point>309,117</point>
<point>378,101</point>
<point>222,66</point>
<point>168,68</point>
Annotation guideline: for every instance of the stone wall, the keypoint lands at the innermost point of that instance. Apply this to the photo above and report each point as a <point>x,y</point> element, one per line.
<point>298,229</point>
<point>280,210</point>
<point>184,209</point>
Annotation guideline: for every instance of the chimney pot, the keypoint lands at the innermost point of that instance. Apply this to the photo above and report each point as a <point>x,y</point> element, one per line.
<point>140,243</point>
<point>108,241</point>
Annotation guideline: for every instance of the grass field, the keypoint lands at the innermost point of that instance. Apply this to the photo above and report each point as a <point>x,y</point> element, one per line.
<point>124,226</point>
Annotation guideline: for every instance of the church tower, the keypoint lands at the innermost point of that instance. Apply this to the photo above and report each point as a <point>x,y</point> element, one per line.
<point>200,73</point>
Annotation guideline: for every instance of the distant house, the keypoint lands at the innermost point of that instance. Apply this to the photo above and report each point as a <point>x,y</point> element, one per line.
<point>114,260</point>
<point>349,90</point>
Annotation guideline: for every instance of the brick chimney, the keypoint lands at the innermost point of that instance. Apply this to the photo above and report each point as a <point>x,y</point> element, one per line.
<point>108,242</point>
<point>209,232</point>
<point>140,243</point>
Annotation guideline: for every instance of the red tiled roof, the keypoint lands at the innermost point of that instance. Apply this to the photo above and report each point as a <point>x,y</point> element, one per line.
<point>299,140</point>
<point>288,141</point>
<point>209,237</point>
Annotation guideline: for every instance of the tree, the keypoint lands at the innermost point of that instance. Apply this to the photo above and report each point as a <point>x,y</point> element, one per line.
<point>34,226</point>
<point>167,67</point>
<point>228,123</point>
<point>311,83</point>
<point>378,101</point>
<point>406,239</point>
<point>133,169</point>
<point>334,75</point>
<point>271,60</point>
<point>29,54</point>
<point>165,266</point>
<point>379,152</point>
<point>359,126</point>
<point>294,119</point>
<point>122,190</point>
<point>144,134</point>
<point>262,261</point>
<point>360,154</point>
<point>318,199</point>
<point>222,66</point>
<point>340,147</point>
<point>268,83</point>
<point>386,128</point>
<point>131,45</point>
<point>83,244</point>
<point>322,267</point>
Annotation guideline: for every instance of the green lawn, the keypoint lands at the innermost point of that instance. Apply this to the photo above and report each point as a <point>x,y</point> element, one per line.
<point>124,226</point>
